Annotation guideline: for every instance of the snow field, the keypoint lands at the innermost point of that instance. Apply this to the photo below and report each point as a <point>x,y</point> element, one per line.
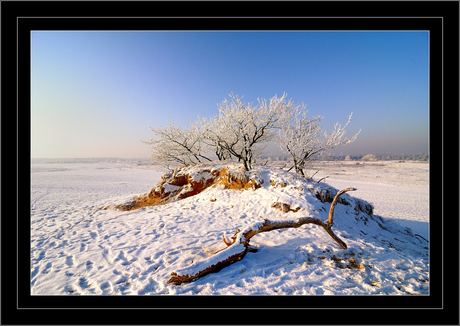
<point>398,190</point>
<point>78,249</point>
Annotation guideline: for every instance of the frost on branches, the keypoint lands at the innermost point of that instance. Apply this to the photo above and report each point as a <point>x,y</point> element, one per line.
<point>176,145</point>
<point>239,128</point>
<point>304,139</point>
<point>239,131</point>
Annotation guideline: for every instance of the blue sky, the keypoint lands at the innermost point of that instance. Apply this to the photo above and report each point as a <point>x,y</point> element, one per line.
<point>95,94</point>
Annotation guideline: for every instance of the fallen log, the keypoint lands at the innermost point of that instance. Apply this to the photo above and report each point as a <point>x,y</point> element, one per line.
<point>239,245</point>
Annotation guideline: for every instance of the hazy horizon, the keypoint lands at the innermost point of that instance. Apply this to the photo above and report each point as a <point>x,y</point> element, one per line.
<point>268,155</point>
<point>95,94</point>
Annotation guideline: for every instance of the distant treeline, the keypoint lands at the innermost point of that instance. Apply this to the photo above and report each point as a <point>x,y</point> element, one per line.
<point>361,157</point>
<point>328,157</point>
<point>378,157</point>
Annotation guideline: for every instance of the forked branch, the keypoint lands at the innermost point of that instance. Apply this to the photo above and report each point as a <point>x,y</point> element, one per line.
<point>238,246</point>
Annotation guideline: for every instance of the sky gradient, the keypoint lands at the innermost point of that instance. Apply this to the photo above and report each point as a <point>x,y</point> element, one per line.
<point>95,94</point>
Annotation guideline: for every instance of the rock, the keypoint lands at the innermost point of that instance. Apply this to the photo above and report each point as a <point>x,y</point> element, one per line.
<point>284,207</point>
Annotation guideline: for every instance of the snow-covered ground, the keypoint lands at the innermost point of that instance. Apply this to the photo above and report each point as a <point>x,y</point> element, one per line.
<point>397,189</point>
<point>77,248</point>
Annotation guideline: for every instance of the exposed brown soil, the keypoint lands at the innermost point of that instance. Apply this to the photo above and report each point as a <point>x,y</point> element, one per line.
<point>350,263</point>
<point>184,182</point>
<point>179,185</point>
<point>278,183</point>
<point>235,181</point>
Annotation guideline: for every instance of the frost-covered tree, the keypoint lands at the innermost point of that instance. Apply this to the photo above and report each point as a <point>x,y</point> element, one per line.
<point>212,143</point>
<point>176,145</point>
<point>240,131</point>
<point>369,157</point>
<point>239,128</point>
<point>305,141</point>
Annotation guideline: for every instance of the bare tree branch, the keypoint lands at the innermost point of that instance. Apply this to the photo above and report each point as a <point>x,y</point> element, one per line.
<point>334,202</point>
<point>304,141</point>
<point>240,128</point>
<point>174,144</point>
<point>238,246</point>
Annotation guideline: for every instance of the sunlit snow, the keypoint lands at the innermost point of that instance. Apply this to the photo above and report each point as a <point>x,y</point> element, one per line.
<point>79,249</point>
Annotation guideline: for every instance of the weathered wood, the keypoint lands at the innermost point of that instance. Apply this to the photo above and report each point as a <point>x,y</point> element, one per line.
<point>334,202</point>
<point>238,246</point>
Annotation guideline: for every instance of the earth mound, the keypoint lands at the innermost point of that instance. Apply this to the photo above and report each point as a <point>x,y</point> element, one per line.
<point>262,203</point>
<point>188,181</point>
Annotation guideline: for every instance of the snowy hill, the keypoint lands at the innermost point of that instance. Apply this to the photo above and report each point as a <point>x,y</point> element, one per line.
<point>124,245</point>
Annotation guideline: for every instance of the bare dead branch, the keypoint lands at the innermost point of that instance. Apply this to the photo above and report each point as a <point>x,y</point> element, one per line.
<point>322,179</point>
<point>239,246</point>
<point>334,202</point>
<point>418,235</point>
